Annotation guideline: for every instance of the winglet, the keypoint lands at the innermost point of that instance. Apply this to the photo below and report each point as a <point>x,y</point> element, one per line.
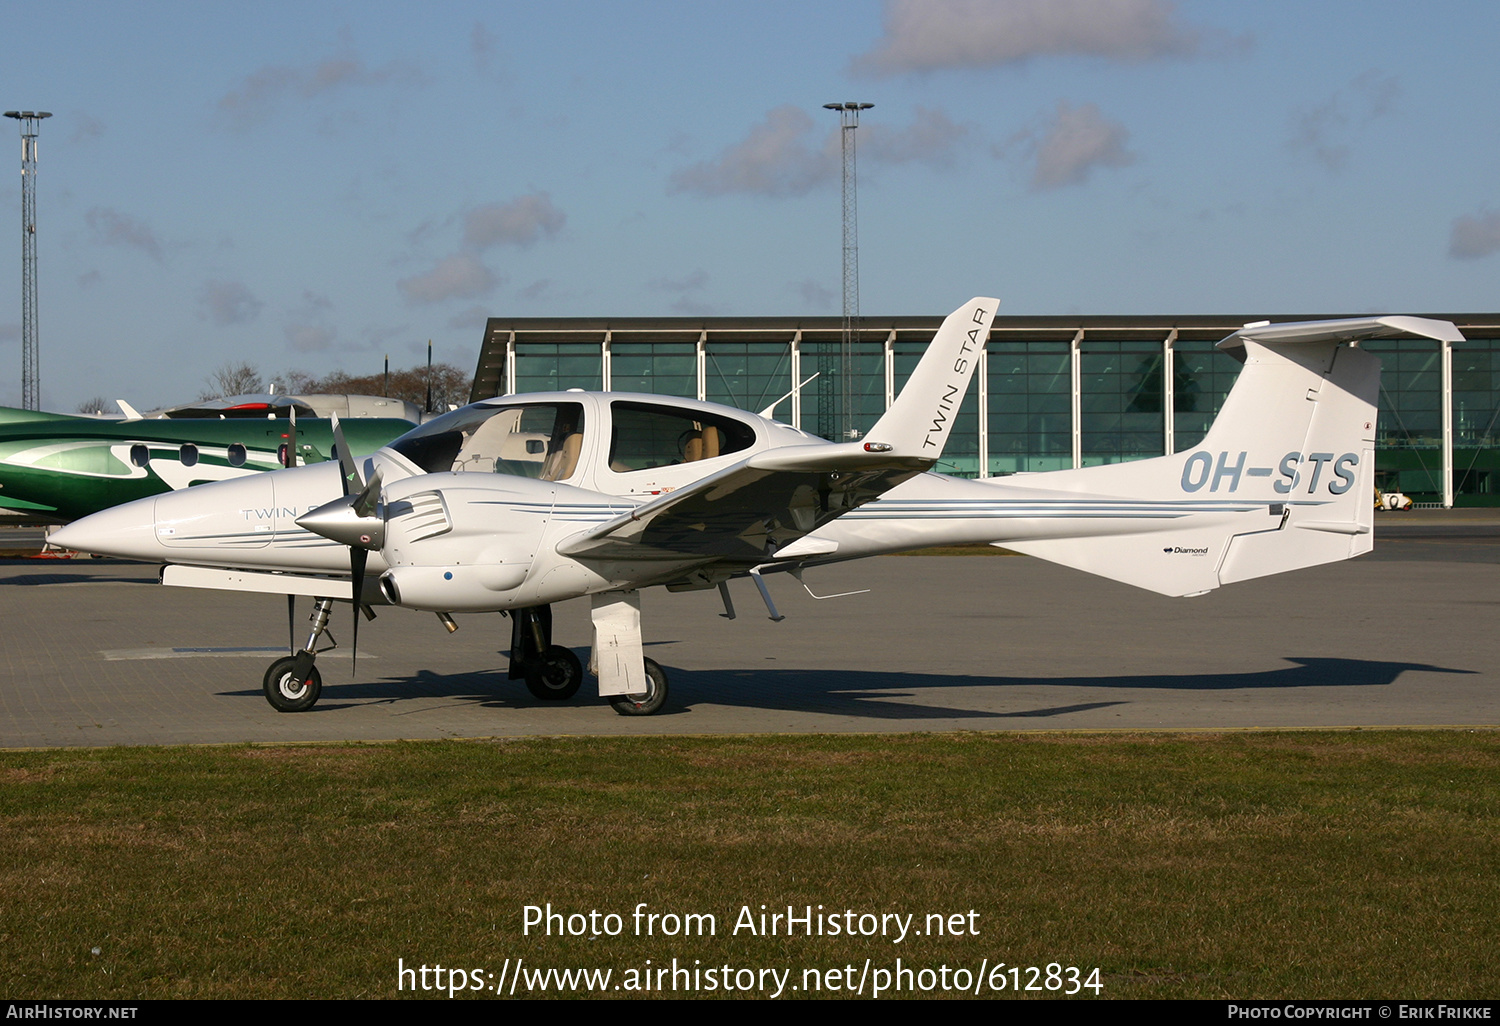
<point>128,410</point>
<point>920,420</point>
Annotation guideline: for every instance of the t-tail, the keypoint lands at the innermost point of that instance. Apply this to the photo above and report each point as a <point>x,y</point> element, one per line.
<point>1284,479</point>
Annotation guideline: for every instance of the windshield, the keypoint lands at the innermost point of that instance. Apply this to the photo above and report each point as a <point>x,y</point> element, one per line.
<point>540,440</point>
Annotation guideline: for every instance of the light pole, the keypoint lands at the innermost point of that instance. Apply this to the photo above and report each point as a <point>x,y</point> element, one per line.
<point>31,373</point>
<point>848,122</point>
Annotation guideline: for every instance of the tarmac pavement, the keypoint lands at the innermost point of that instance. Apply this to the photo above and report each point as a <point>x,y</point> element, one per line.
<point>95,652</point>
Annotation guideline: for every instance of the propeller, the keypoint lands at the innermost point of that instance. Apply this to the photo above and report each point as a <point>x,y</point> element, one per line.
<point>354,519</point>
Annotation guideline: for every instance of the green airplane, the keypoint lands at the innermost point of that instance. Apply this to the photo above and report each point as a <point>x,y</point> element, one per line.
<point>58,467</point>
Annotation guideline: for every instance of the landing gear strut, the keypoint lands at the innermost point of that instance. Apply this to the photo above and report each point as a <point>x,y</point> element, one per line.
<point>292,683</point>
<point>552,673</point>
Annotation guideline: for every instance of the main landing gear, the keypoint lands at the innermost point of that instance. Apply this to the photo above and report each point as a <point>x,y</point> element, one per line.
<point>649,701</point>
<point>552,673</point>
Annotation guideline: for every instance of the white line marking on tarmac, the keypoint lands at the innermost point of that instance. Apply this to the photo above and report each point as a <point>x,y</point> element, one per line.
<point>118,654</point>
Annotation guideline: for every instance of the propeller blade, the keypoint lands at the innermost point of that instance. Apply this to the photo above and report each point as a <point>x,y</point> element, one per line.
<point>348,469</point>
<point>369,496</point>
<point>357,558</point>
<point>354,519</point>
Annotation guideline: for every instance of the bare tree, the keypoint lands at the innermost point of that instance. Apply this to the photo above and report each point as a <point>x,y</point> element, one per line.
<point>234,379</point>
<point>450,386</point>
<point>96,405</point>
<point>296,382</point>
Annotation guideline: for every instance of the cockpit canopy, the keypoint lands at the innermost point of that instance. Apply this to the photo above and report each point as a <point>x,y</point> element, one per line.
<point>549,439</point>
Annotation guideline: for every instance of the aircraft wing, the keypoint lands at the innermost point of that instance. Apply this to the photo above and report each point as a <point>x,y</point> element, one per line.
<point>745,513</point>
<point>748,512</point>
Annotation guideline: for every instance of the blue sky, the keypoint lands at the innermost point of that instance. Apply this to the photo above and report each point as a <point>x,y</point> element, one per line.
<point>314,185</point>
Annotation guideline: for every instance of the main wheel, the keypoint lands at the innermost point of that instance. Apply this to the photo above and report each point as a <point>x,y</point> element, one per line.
<point>652,700</point>
<point>288,694</point>
<point>556,676</point>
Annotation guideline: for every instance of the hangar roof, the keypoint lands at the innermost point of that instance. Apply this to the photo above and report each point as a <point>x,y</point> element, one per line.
<point>592,331</point>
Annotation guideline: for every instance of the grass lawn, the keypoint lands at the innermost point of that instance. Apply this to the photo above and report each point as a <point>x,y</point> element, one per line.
<point>1246,865</point>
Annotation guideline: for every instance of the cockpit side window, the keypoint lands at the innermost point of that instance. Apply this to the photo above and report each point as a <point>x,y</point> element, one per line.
<point>540,440</point>
<point>646,436</point>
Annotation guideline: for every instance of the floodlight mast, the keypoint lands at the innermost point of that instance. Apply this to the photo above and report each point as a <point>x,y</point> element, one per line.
<point>848,122</point>
<point>31,374</point>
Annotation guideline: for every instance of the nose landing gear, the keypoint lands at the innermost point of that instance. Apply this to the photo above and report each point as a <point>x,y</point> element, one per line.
<point>292,683</point>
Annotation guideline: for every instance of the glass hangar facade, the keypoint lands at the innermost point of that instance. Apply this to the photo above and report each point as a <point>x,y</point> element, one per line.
<point>1050,392</point>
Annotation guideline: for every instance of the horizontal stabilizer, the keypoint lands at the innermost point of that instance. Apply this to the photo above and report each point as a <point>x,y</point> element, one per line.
<point>1350,329</point>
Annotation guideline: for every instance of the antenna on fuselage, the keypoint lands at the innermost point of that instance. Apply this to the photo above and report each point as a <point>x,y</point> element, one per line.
<point>770,411</point>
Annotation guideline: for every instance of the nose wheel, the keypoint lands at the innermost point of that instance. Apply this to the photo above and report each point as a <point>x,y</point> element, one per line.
<point>290,688</point>
<point>292,683</point>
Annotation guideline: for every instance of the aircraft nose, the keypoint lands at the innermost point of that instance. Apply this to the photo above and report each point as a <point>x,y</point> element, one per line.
<point>127,531</point>
<point>224,521</point>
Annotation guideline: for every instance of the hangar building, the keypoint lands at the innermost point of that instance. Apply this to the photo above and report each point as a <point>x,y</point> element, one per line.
<point>1051,392</point>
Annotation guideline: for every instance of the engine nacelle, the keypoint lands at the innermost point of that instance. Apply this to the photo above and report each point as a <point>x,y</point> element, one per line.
<point>462,542</point>
<point>453,589</point>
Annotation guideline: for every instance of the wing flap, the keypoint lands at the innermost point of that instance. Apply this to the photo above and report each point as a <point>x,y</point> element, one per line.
<point>745,513</point>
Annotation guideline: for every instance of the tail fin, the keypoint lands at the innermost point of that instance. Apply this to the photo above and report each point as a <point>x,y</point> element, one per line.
<point>921,419</point>
<point>1283,480</point>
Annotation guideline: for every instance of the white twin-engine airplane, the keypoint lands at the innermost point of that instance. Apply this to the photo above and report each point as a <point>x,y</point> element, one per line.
<point>517,502</point>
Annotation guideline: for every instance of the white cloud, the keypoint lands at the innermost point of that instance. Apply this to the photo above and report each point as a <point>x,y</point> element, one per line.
<point>482,45</point>
<point>116,229</point>
<point>814,294</point>
<point>473,317</point>
<point>228,302</point>
<point>262,92</point>
<point>686,289</point>
<point>542,288</point>
<point>521,222</point>
<point>935,35</point>
<point>86,128</point>
<point>310,338</point>
<point>1326,131</point>
<point>461,276</point>
<point>1079,140</point>
<point>313,304</point>
<point>694,282</point>
<point>1475,236</point>
<point>786,155</point>
<point>775,159</point>
<point>931,139</point>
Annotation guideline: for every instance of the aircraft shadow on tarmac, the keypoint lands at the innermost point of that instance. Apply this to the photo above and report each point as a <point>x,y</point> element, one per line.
<point>33,580</point>
<point>864,693</point>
